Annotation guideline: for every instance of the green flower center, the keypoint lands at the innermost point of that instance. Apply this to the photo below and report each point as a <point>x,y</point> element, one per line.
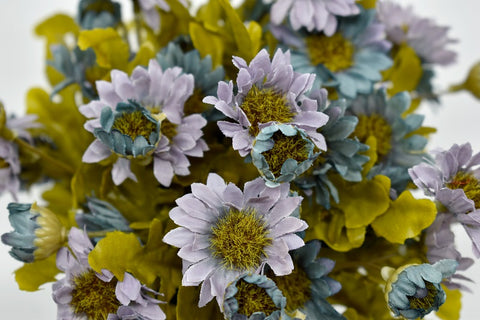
<point>239,239</point>
<point>469,184</point>
<point>285,147</point>
<point>168,129</point>
<point>376,126</point>
<point>94,297</point>
<point>252,298</point>
<point>424,298</point>
<point>335,52</point>
<point>134,124</point>
<point>295,287</point>
<point>262,106</point>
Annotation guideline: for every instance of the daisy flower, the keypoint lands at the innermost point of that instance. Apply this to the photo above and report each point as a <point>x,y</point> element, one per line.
<point>268,92</point>
<point>85,294</point>
<point>141,117</point>
<point>224,233</point>
<point>428,39</point>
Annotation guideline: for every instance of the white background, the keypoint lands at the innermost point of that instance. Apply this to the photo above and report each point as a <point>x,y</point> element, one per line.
<point>21,67</point>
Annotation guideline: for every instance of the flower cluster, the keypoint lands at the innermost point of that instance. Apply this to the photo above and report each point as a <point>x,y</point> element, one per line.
<point>195,163</point>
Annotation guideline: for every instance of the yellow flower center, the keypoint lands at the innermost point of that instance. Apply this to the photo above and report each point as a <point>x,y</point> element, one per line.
<point>252,298</point>
<point>469,184</point>
<point>295,287</point>
<point>262,106</point>
<point>335,52</point>
<point>93,297</point>
<point>375,125</point>
<point>168,129</point>
<point>134,124</point>
<point>424,298</point>
<point>285,147</point>
<point>239,239</point>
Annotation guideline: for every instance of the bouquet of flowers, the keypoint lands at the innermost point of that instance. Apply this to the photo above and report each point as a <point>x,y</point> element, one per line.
<point>264,161</point>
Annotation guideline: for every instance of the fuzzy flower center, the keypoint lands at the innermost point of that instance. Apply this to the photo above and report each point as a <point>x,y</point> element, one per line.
<point>285,147</point>
<point>424,298</point>
<point>134,124</point>
<point>94,297</point>
<point>335,52</point>
<point>168,129</point>
<point>252,298</point>
<point>469,184</point>
<point>239,239</point>
<point>265,105</point>
<point>295,287</point>
<point>375,125</point>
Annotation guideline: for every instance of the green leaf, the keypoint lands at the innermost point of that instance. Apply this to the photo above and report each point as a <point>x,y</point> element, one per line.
<point>405,218</point>
<point>32,275</point>
<point>207,43</point>
<point>364,201</point>
<point>117,252</point>
<point>187,306</point>
<point>406,71</point>
<point>111,50</point>
<point>55,27</point>
<point>240,32</point>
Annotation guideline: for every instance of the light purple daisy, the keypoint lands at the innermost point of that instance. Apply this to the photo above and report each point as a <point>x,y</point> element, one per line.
<point>85,294</point>
<point>318,15</point>
<point>10,166</point>
<point>225,233</point>
<point>454,182</point>
<point>149,9</point>
<point>268,92</point>
<point>151,102</point>
<point>428,39</point>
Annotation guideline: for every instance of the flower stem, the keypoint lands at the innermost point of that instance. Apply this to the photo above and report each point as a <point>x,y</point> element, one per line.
<point>23,144</point>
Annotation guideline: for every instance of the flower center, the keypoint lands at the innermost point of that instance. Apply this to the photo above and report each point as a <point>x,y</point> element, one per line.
<point>252,298</point>
<point>168,129</point>
<point>265,105</point>
<point>295,287</point>
<point>424,298</point>
<point>375,125</point>
<point>285,147</point>
<point>134,124</point>
<point>239,239</point>
<point>469,184</point>
<point>94,297</point>
<point>335,52</point>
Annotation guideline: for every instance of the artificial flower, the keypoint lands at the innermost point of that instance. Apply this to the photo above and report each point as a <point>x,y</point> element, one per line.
<point>38,233</point>
<point>281,153</point>
<point>308,286</point>
<point>318,15</point>
<point>98,14</point>
<point>382,124</point>
<point>142,116</point>
<point>225,233</point>
<point>350,60</point>
<point>86,294</point>
<point>428,39</point>
<point>414,291</point>
<point>268,92</point>
<point>149,9</point>
<point>254,297</point>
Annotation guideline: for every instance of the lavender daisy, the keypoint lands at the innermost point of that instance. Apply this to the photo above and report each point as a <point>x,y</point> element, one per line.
<point>427,38</point>
<point>318,15</point>
<point>268,92</point>
<point>141,117</point>
<point>85,294</point>
<point>225,233</point>
<point>454,182</point>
